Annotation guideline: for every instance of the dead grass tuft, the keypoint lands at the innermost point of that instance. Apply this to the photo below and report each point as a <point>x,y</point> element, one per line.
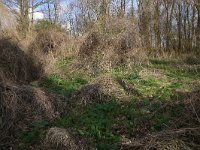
<point>99,52</point>
<point>96,54</point>
<point>47,47</point>
<point>58,138</point>
<point>101,90</point>
<point>21,106</point>
<point>48,41</point>
<point>15,65</point>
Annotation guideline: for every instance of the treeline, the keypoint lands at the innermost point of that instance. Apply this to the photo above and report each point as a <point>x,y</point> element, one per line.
<point>164,25</point>
<point>170,24</point>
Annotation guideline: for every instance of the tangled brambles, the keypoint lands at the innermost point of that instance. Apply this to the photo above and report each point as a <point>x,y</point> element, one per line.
<point>47,47</point>
<point>183,134</point>
<point>21,106</point>
<point>133,57</point>
<point>15,65</point>
<point>97,54</point>
<point>103,89</point>
<point>48,41</point>
<point>101,53</point>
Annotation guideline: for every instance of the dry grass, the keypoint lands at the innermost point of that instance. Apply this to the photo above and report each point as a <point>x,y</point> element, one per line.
<point>99,52</point>
<point>166,140</point>
<point>183,135</point>
<point>15,65</point>
<point>48,41</point>
<point>103,89</point>
<point>96,53</point>
<point>47,47</point>
<point>60,139</point>
<point>21,106</point>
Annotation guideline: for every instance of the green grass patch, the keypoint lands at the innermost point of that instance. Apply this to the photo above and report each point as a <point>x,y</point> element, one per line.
<point>104,124</point>
<point>165,62</point>
<point>176,69</point>
<point>66,81</point>
<point>63,86</point>
<point>150,86</point>
<point>94,123</point>
<point>161,78</point>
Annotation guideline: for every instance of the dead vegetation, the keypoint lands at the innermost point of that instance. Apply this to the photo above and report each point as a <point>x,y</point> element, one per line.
<point>127,109</point>
<point>48,41</point>
<point>21,106</point>
<point>47,47</point>
<point>99,52</point>
<point>192,60</point>
<point>58,138</point>
<point>165,140</point>
<point>15,65</point>
<point>103,89</point>
<point>184,134</point>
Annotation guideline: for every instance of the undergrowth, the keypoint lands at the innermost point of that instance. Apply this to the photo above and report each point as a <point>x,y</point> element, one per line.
<point>35,135</point>
<point>63,86</point>
<point>67,82</point>
<point>105,125</point>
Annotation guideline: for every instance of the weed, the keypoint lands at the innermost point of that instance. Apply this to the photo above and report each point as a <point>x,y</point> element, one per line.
<point>104,124</point>
<point>63,86</point>
<point>164,62</point>
<point>67,83</point>
<point>94,122</point>
<point>35,135</point>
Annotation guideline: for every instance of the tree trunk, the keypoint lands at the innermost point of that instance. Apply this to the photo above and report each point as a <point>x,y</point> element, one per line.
<point>198,27</point>
<point>49,10</point>
<point>179,28</point>
<point>189,30</point>
<point>32,11</point>
<point>157,28</point>
<point>193,27</point>
<point>56,11</point>
<point>23,21</point>
<point>132,10</point>
<point>144,17</point>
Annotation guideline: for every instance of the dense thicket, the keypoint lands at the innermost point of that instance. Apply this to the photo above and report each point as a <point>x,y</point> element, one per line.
<point>171,26</point>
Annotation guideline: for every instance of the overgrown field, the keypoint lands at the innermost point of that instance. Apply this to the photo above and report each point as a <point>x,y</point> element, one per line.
<point>152,105</point>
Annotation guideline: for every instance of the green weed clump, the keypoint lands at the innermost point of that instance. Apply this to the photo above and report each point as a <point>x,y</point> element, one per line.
<point>35,135</point>
<point>63,86</point>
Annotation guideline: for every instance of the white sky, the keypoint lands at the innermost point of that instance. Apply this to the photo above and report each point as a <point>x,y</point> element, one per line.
<point>38,15</point>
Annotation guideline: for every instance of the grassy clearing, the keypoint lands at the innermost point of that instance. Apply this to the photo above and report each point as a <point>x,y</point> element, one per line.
<point>161,78</point>
<point>104,125</point>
